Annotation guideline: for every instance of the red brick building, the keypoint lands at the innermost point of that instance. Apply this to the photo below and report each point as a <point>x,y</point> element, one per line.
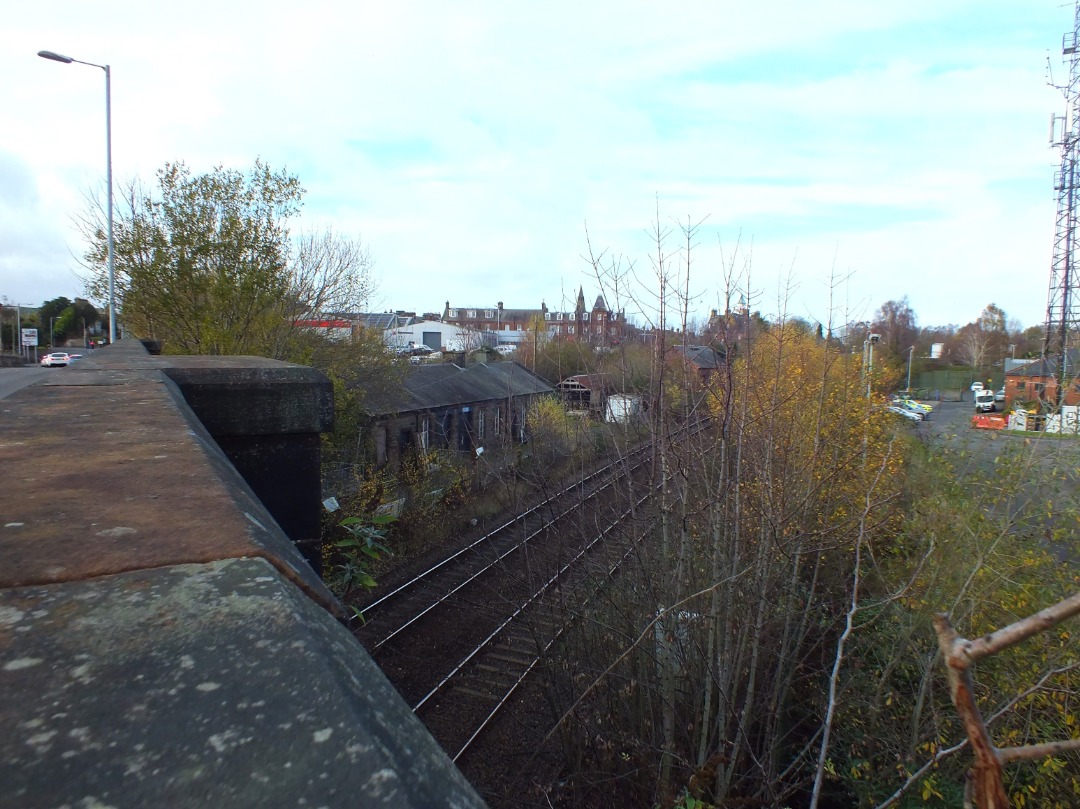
<point>599,325</point>
<point>1038,381</point>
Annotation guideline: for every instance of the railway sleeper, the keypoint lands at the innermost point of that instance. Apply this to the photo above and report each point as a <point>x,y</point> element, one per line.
<point>495,681</point>
<point>519,643</point>
<point>510,657</point>
<point>485,695</point>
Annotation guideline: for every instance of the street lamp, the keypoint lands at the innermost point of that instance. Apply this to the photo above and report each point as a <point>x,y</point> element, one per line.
<point>871,340</point>
<point>67,60</point>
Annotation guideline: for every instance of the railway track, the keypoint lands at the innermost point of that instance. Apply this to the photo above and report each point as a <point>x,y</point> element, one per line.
<point>460,639</point>
<point>393,613</point>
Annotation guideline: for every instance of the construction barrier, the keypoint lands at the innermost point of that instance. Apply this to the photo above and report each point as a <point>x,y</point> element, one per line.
<point>984,422</point>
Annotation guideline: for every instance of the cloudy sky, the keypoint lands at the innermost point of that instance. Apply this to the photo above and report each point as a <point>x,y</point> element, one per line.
<point>900,147</point>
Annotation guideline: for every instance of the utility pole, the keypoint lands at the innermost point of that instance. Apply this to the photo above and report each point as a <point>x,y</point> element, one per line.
<point>1062,310</point>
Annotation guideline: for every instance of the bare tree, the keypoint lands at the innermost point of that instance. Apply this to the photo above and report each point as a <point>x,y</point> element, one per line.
<point>974,346</point>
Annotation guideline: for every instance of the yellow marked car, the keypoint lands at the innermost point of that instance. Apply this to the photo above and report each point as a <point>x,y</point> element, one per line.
<point>912,404</point>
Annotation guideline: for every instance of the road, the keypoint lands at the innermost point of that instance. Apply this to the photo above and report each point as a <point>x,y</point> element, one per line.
<point>13,379</point>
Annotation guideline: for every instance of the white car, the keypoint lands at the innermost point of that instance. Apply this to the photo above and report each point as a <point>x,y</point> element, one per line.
<point>506,350</point>
<point>976,386</point>
<point>55,359</point>
<point>910,415</point>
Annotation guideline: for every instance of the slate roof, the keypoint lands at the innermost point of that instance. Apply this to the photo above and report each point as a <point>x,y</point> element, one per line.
<point>701,356</point>
<point>445,385</point>
<point>1047,367</point>
<point>506,316</point>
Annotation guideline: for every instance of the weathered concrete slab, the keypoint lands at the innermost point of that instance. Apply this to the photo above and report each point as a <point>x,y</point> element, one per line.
<point>105,479</point>
<point>162,640</point>
<point>196,686</point>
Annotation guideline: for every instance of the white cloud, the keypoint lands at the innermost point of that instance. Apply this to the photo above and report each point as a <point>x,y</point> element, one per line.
<point>470,142</point>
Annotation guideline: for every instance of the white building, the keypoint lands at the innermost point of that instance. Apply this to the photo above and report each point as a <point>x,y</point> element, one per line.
<point>437,336</point>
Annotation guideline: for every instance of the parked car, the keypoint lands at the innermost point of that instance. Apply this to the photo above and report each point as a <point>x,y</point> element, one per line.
<point>56,358</point>
<point>506,350</point>
<point>1000,395</point>
<point>976,386</point>
<point>912,404</point>
<point>910,415</point>
<point>984,401</point>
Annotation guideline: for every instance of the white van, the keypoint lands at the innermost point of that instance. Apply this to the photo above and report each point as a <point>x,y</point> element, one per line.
<point>984,401</point>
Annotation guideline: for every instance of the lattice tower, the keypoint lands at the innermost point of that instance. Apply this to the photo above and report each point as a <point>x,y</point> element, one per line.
<point>1063,300</point>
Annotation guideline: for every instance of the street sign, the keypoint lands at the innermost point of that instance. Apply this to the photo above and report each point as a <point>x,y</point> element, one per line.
<point>29,337</point>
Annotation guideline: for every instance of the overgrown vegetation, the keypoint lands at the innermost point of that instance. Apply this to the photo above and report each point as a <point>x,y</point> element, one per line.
<point>991,537</point>
<point>772,642</point>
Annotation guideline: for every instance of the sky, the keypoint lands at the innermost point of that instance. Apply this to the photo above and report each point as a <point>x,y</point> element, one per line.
<point>835,154</point>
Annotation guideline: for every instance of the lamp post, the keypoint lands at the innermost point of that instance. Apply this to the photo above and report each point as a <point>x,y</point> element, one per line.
<point>870,341</point>
<point>67,60</point>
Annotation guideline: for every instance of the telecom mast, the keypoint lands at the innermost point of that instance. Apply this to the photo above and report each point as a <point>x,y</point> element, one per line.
<point>1063,300</point>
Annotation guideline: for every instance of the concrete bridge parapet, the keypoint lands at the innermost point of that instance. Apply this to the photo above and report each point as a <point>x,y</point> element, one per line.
<point>163,642</point>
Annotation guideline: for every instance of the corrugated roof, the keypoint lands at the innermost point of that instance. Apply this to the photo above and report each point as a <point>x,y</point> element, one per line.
<point>432,386</point>
<point>378,320</point>
<point>372,320</point>
<point>1048,366</point>
<point>589,381</point>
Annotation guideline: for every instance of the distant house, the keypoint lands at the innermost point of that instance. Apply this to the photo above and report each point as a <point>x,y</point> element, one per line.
<point>730,326</point>
<point>599,325</point>
<point>1037,381</point>
<point>703,362</point>
<point>501,326</point>
<point>449,407</point>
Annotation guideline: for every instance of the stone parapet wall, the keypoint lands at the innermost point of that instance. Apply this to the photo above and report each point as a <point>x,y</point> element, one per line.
<point>162,640</point>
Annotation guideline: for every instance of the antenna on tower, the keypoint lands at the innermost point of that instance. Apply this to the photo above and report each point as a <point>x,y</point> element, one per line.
<point>1063,298</point>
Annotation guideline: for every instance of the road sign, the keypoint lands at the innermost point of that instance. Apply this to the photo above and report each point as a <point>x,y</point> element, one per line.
<point>29,337</point>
